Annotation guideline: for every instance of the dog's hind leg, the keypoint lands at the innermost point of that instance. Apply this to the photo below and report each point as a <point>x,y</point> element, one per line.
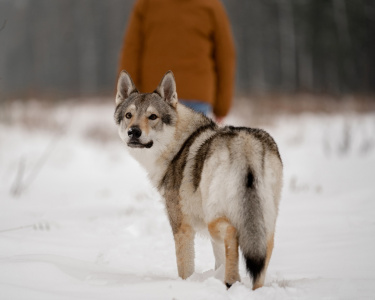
<point>260,280</point>
<point>221,230</point>
<point>219,252</point>
<point>184,242</point>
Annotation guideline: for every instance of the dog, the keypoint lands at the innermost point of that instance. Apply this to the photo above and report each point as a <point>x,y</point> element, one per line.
<point>225,181</point>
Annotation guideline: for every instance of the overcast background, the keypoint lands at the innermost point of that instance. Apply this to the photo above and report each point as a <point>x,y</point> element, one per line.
<point>57,49</point>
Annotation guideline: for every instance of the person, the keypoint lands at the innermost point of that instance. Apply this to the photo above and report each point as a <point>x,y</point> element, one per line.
<point>190,37</point>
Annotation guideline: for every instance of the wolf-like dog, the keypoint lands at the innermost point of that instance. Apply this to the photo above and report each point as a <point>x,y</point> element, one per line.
<point>225,181</point>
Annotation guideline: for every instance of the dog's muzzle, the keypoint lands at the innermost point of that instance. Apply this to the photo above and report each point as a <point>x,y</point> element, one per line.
<point>134,134</point>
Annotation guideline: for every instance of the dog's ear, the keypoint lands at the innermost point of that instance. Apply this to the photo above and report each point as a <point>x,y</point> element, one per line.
<point>125,87</point>
<point>167,89</point>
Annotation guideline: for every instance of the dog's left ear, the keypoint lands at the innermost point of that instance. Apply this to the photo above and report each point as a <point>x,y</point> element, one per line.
<point>125,87</point>
<point>167,89</point>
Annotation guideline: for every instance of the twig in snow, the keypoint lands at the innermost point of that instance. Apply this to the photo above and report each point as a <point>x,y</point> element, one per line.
<point>17,228</point>
<point>3,26</point>
<point>43,226</point>
<point>17,186</point>
<point>21,185</point>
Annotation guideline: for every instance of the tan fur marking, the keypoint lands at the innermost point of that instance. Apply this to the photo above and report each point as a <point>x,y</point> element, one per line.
<point>222,230</point>
<point>270,245</point>
<point>231,254</point>
<point>143,125</point>
<point>184,242</point>
<point>131,123</point>
<point>172,202</point>
<point>217,228</point>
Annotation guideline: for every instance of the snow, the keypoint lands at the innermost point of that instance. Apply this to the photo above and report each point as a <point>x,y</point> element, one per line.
<point>79,219</point>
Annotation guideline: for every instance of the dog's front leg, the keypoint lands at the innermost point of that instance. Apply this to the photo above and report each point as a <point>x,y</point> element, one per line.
<point>184,242</point>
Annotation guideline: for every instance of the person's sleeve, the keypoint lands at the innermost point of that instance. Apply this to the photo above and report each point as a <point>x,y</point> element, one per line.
<point>225,60</point>
<point>130,57</point>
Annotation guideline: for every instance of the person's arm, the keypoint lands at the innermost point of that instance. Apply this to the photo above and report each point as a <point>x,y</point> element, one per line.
<point>130,57</point>
<point>225,60</point>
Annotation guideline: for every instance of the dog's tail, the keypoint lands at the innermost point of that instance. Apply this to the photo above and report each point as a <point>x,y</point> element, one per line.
<point>252,235</point>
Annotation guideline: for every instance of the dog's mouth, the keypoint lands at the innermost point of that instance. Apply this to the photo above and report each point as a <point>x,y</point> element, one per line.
<point>133,143</point>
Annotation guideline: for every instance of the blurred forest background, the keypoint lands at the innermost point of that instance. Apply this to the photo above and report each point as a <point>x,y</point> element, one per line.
<point>56,49</point>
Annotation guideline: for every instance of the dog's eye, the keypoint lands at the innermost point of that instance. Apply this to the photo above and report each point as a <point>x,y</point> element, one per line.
<point>153,117</point>
<point>128,115</point>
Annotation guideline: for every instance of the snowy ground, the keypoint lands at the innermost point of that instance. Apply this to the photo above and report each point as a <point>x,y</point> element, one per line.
<point>79,220</point>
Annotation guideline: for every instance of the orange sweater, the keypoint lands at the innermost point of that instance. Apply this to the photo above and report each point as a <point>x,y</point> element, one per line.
<point>190,37</point>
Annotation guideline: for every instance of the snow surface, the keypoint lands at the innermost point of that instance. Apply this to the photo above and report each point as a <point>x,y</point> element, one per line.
<point>79,219</point>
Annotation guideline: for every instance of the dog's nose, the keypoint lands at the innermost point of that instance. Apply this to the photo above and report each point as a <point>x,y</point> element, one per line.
<point>135,132</point>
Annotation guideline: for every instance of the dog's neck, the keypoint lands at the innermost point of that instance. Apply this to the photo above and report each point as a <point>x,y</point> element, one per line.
<point>157,159</point>
<point>188,121</point>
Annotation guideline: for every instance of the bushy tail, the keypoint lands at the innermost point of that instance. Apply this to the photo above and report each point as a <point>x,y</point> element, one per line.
<point>252,232</point>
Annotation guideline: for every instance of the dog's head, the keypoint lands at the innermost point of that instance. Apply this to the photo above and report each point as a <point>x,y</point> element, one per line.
<point>146,119</point>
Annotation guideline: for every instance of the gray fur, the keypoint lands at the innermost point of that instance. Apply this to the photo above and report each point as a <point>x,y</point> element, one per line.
<point>173,177</point>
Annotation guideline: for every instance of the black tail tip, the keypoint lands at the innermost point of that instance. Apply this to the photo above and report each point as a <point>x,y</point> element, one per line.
<point>255,266</point>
